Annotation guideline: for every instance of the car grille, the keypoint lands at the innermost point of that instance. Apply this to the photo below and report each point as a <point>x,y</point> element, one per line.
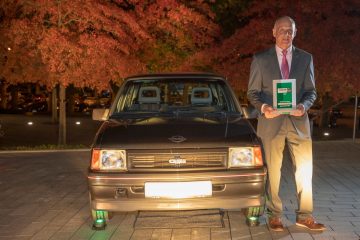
<point>177,160</point>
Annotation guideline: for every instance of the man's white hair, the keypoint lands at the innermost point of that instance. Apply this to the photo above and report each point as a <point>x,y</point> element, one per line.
<point>283,19</point>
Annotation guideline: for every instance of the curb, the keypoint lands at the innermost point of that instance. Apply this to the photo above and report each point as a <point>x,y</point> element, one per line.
<point>348,140</point>
<point>45,151</point>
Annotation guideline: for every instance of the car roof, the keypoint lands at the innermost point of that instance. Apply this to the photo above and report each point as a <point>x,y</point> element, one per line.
<point>175,76</point>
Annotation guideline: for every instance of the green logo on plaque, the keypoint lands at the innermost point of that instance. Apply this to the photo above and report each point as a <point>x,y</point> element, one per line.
<point>284,95</point>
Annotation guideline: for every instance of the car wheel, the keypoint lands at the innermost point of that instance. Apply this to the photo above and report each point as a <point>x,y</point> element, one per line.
<point>252,215</point>
<point>101,214</point>
<point>100,218</point>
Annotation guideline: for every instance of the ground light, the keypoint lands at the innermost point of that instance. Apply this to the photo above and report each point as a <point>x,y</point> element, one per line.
<point>252,221</point>
<point>30,123</point>
<point>99,224</point>
<point>326,134</point>
<point>78,123</point>
<point>100,219</point>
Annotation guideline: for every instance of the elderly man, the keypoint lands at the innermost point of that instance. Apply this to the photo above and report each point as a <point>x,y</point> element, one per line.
<point>284,61</point>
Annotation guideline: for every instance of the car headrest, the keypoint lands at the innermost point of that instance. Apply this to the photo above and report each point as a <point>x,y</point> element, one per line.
<point>201,95</point>
<point>149,95</point>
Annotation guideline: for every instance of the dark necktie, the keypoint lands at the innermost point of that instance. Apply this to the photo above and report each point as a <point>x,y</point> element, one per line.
<point>284,66</point>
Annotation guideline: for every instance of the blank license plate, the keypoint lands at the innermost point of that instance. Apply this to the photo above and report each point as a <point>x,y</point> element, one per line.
<point>178,190</point>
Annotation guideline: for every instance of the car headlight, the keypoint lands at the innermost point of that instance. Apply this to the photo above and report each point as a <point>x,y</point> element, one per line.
<point>245,157</point>
<point>108,160</point>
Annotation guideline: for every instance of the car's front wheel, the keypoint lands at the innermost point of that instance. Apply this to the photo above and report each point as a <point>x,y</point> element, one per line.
<point>100,218</point>
<point>252,215</point>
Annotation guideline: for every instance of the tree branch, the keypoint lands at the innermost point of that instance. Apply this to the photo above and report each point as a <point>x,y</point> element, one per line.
<point>71,21</point>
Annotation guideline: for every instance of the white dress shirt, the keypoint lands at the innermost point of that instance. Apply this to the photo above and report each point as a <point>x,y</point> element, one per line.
<point>279,57</point>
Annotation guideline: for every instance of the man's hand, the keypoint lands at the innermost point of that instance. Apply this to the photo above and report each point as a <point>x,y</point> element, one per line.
<point>299,111</point>
<point>269,112</point>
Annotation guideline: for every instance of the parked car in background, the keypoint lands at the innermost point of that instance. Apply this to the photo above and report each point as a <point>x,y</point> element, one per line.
<point>38,103</point>
<point>336,111</point>
<point>91,101</point>
<point>105,102</point>
<point>28,102</point>
<point>79,104</point>
<point>331,114</point>
<point>334,114</point>
<point>175,142</point>
<point>314,114</point>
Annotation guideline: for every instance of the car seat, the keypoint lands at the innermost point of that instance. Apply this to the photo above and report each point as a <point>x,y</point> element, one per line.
<point>201,96</point>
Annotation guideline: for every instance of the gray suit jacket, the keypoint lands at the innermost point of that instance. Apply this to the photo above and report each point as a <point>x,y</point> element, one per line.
<point>264,69</point>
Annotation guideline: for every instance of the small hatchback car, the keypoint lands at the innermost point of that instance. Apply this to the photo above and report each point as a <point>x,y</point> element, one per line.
<point>175,142</point>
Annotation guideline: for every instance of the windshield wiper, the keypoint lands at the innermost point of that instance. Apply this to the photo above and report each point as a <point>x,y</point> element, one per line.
<point>139,115</point>
<point>221,114</point>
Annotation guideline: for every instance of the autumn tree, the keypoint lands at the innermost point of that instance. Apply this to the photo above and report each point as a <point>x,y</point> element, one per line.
<point>89,43</point>
<point>92,43</point>
<point>179,29</point>
<point>327,29</point>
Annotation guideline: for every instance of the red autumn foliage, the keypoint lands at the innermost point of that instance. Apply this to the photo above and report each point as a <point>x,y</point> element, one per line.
<point>89,43</point>
<point>327,29</point>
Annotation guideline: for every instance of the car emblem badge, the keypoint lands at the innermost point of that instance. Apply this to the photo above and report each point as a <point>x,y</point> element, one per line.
<point>177,139</point>
<point>177,160</point>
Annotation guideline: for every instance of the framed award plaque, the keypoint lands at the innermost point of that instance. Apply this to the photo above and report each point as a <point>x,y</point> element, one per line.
<point>284,95</point>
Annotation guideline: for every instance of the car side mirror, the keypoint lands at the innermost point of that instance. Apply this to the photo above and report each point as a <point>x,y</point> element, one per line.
<point>249,112</point>
<point>100,114</point>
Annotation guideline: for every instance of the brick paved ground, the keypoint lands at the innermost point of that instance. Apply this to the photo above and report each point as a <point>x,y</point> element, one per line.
<point>44,196</point>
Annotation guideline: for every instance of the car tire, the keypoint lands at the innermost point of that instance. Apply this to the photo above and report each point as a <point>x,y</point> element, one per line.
<point>101,214</point>
<point>252,215</point>
<point>100,219</point>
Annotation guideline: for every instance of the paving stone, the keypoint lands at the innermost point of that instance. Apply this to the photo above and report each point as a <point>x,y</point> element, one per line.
<point>165,234</point>
<point>340,214</point>
<point>145,234</point>
<point>301,236</point>
<point>112,226</point>
<point>262,233</point>
<point>338,235</point>
<point>15,238</point>
<point>48,199</point>
<point>125,230</point>
<point>343,219</point>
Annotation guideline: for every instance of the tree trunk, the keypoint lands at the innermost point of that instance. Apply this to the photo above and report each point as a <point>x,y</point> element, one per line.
<point>49,102</point>
<point>37,88</point>
<point>71,100</point>
<point>62,115</point>
<point>14,97</point>
<point>54,112</point>
<point>327,102</point>
<point>3,96</point>
<point>355,115</point>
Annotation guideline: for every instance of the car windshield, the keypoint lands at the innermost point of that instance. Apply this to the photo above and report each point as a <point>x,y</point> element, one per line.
<point>174,96</point>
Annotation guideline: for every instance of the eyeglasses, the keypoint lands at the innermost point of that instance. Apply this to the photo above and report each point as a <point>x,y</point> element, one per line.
<point>284,32</point>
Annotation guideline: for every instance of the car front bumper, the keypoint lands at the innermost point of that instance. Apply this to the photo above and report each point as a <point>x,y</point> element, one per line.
<point>125,191</point>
